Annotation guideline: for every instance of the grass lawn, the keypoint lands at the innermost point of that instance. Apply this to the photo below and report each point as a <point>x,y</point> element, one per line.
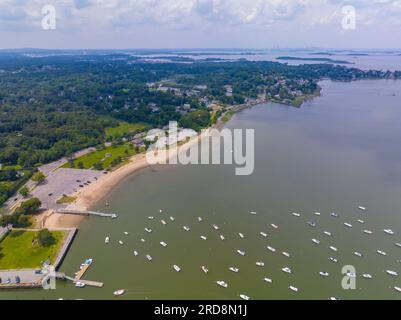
<point>90,159</point>
<point>66,200</point>
<point>123,128</point>
<point>19,250</point>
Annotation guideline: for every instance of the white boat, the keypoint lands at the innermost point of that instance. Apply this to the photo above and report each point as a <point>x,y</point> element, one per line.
<point>348,225</point>
<point>333,248</point>
<point>253,213</point>
<point>107,240</point>
<point>79,285</point>
<point>295,289</point>
<point>172,219</point>
<point>286,270</point>
<point>149,257</point>
<point>351,274</point>
<point>367,231</point>
<point>327,233</point>
<point>186,228</point>
<point>367,276</point>
<point>241,253</point>
<point>222,237</point>
<point>244,297</point>
<point>136,253</point>
<point>203,238</point>
<point>296,214</point>
<point>120,242</point>
<point>358,254</point>
<point>317,213</point>
<point>315,241</point>
<point>241,235</point>
<point>324,274</point>
<point>233,269</point>
<point>119,292</point>
<point>381,252</point>
<point>107,204</point>
<point>389,231</point>
<point>333,298</point>
<point>286,254</point>
<point>398,244</point>
<point>361,221</point>
<point>200,219</point>
<point>215,227</point>
<point>222,284</point>
<point>126,233</point>
<point>362,208</point>
<point>397,289</point>
<point>161,210</point>
<point>263,234</point>
<point>163,243</point>
<point>176,268</point>
<point>333,260</point>
<point>204,269</point>
<point>151,218</point>
<point>143,240</point>
<point>268,280</point>
<point>260,264</point>
<point>148,230</point>
<point>274,226</point>
<point>271,249</point>
<point>392,273</point>
<point>311,224</point>
<point>334,215</point>
<point>163,222</point>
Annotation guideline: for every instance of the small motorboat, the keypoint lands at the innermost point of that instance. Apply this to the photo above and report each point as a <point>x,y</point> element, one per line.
<point>241,253</point>
<point>253,213</point>
<point>215,227</point>
<point>176,268</point>
<point>203,238</point>
<point>315,241</point>
<point>398,244</point>
<point>286,254</point>
<point>333,260</point>
<point>381,252</point>
<point>334,215</point>
<point>80,285</point>
<point>148,230</point>
<point>143,240</point>
<point>241,235</point>
<point>233,269</point>
<point>317,213</point>
<point>333,299</point>
<point>186,228</point>
<point>348,225</point>
<point>397,289</point>
<point>222,284</point>
<point>295,289</point>
<point>333,248</point>
<point>204,269</point>
<point>311,224</point>
<point>120,242</point>
<point>274,226</point>
<point>367,232</point>
<point>263,234</point>
<point>200,219</point>
<point>361,221</point>
<point>106,240</point>
<point>149,257</point>
<point>163,222</point>
<point>136,253</point>
<point>163,244</point>
<point>119,292</point>
<point>260,264</point>
<point>271,249</point>
<point>172,219</point>
<point>88,261</point>
<point>367,276</point>
<point>151,218</point>
<point>351,274</point>
<point>296,214</point>
<point>324,274</point>
<point>286,270</point>
<point>126,233</point>
<point>358,254</point>
<point>389,231</point>
<point>161,210</point>
<point>268,280</point>
<point>327,233</point>
<point>392,273</point>
<point>222,237</point>
<point>362,208</point>
<point>244,297</point>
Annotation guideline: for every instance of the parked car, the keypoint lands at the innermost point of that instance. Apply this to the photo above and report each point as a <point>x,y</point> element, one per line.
<point>17,279</point>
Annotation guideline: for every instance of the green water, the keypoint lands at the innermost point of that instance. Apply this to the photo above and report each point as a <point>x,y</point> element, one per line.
<point>335,153</point>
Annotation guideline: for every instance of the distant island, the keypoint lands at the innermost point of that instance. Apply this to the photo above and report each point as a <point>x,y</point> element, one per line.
<point>325,60</point>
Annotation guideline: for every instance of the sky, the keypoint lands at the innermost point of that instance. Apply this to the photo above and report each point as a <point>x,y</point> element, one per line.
<point>126,24</point>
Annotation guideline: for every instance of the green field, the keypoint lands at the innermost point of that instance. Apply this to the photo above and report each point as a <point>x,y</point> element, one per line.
<point>20,250</point>
<point>124,128</point>
<point>89,160</point>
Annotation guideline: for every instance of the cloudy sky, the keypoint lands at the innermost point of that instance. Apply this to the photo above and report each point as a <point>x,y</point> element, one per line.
<point>201,24</point>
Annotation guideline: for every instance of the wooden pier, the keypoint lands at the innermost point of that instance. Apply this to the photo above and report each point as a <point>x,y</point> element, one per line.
<point>87,213</point>
<point>79,275</point>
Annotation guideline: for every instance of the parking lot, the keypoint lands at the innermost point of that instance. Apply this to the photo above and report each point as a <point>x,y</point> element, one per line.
<point>25,276</point>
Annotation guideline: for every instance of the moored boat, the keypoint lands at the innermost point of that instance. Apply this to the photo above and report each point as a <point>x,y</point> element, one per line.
<point>392,273</point>
<point>176,268</point>
<point>241,235</point>
<point>260,264</point>
<point>107,240</point>
<point>292,288</point>
<point>389,231</point>
<point>271,249</point>
<point>204,269</point>
<point>203,238</point>
<point>367,232</point>
<point>244,297</point>
<point>286,270</point>
<point>296,214</point>
<point>268,280</point>
<point>367,276</point>
<point>149,257</point>
<point>315,241</point>
<point>163,244</point>
<point>381,252</point>
<point>241,253</point>
<point>263,234</point>
<point>119,292</point>
<point>233,269</point>
<point>79,284</point>
<point>222,284</point>
<point>324,274</point>
<point>186,228</point>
